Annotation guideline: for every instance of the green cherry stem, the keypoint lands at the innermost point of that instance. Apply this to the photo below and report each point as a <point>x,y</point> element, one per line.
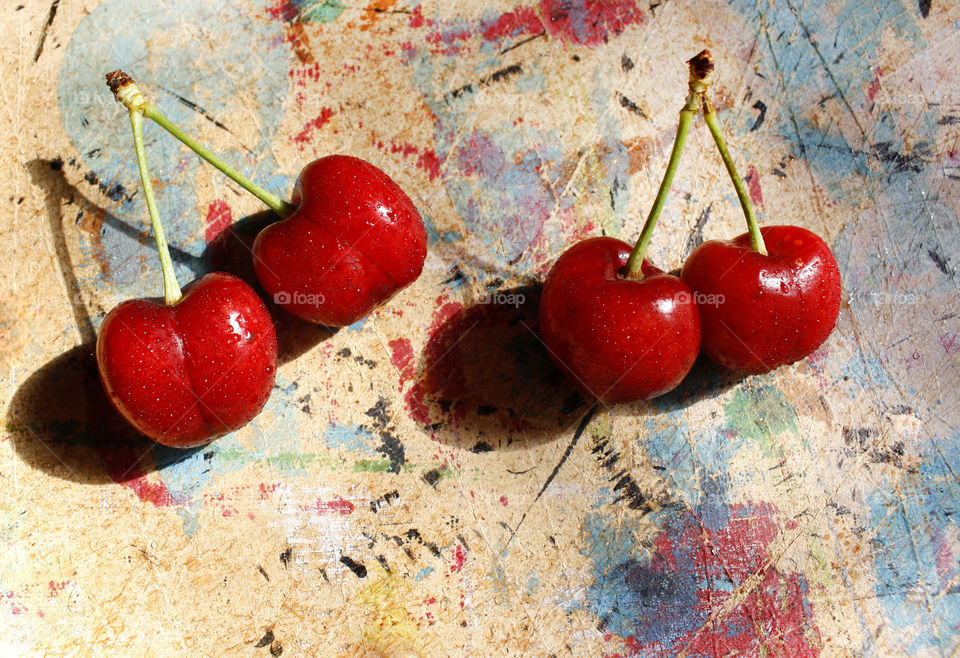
<point>171,290</point>
<point>116,78</point>
<point>699,72</point>
<point>713,123</point>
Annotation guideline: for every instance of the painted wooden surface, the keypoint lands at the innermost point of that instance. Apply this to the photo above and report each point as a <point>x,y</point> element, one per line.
<point>397,496</point>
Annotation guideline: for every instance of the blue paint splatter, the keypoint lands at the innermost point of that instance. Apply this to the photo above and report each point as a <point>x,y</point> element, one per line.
<point>164,51</point>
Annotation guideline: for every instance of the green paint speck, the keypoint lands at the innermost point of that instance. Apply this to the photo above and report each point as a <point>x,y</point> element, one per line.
<point>371,466</point>
<point>324,11</point>
<point>760,413</point>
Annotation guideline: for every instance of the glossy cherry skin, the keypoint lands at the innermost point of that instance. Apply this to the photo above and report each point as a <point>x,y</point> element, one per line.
<point>353,241</point>
<point>618,339</point>
<point>761,312</point>
<point>188,373</point>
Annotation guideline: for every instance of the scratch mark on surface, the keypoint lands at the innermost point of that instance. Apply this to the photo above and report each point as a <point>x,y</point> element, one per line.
<point>46,26</point>
<point>556,469</point>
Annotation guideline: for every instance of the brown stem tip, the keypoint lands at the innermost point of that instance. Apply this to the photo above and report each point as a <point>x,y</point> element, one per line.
<point>118,79</point>
<point>701,65</point>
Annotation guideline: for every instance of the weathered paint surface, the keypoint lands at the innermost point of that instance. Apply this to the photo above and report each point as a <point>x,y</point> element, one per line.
<point>425,481</point>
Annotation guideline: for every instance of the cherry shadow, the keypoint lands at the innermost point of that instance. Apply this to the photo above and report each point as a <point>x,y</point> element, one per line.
<point>485,381</point>
<point>61,422</point>
<point>232,251</point>
<point>706,380</point>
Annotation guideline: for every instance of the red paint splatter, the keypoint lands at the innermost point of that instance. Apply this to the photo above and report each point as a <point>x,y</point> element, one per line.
<point>336,506</point>
<point>449,42</point>
<point>283,10</point>
<point>459,558</point>
<point>417,18</point>
<point>753,186</point>
<point>522,20</point>
<point>151,492</point>
<point>775,617</point>
<point>267,489</point>
<point>218,219</point>
<point>55,588</point>
<point>874,86</point>
<point>426,159</point>
<point>401,355</point>
<point>589,22</point>
<point>503,501</point>
<point>304,135</point>
<point>950,342</point>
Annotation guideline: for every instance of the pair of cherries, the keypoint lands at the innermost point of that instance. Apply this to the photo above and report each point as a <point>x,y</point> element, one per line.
<point>201,363</point>
<point>624,330</point>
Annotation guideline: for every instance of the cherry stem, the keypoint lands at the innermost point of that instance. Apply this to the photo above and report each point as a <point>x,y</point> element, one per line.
<point>713,123</point>
<point>117,79</point>
<point>171,290</point>
<point>700,68</point>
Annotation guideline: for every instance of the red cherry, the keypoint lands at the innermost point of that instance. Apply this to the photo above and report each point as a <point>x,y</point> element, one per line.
<point>618,339</point>
<point>352,242</point>
<point>187,373</point>
<point>760,311</point>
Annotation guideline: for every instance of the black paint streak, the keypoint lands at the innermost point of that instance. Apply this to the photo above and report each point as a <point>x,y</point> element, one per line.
<point>520,472</point>
<point>587,417</point>
<point>276,649</point>
<point>378,413</point>
<point>263,572</point>
<point>344,353</point>
<point>899,161</point>
<point>392,448</point>
<point>948,120</point>
<point>46,26</point>
<point>497,76</point>
<point>481,447</point>
<point>285,557</point>
<point>414,534</point>
<point>940,261</point>
<point>390,445</point>
<point>696,238</point>
<point>566,453</point>
<point>860,440</point>
<point>523,42</point>
<point>385,499</point>
<point>626,486</point>
<point>626,64</point>
<point>456,276</point>
<point>619,185</point>
<point>114,192</point>
<point>265,640</point>
<point>383,563</point>
<point>199,110</point>
<point>761,107</point>
<point>354,566</point>
<point>432,477</point>
<point>632,107</point>
<point>924,6</point>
